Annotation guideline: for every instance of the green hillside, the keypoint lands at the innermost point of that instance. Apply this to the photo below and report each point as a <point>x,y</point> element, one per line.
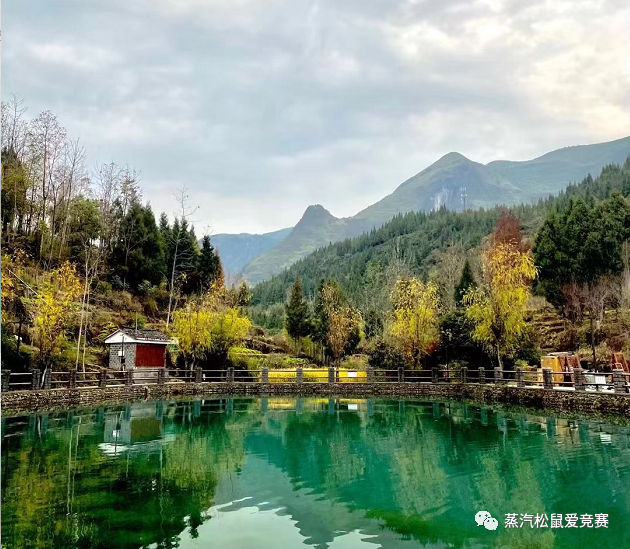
<point>415,239</point>
<point>453,182</point>
<point>550,173</point>
<point>236,250</point>
<point>317,228</point>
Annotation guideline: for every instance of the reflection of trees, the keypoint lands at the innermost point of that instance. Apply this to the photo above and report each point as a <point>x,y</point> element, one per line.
<point>60,490</point>
<point>425,475</point>
<point>420,470</point>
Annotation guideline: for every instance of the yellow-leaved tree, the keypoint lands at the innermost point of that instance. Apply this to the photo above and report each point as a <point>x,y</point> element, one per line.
<point>53,310</point>
<point>208,326</point>
<point>343,322</point>
<point>413,327</point>
<point>497,307</point>
<point>8,288</point>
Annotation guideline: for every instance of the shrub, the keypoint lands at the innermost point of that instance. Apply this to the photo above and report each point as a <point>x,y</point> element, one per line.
<point>385,357</point>
<point>355,362</point>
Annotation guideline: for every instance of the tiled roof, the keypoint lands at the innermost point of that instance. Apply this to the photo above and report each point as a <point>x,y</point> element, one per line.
<point>146,334</point>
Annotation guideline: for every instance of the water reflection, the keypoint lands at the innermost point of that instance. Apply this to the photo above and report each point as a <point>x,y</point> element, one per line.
<point>324,473</point>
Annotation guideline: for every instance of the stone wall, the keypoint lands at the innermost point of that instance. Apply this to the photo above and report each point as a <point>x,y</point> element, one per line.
<point>130,355</point>
<point>565,401</point>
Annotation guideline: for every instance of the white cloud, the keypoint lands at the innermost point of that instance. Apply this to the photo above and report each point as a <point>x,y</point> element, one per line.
<point>264,106</point>
<point>77,57</point>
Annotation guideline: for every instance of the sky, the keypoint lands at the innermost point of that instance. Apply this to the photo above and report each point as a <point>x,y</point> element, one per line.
<point>262,107</point>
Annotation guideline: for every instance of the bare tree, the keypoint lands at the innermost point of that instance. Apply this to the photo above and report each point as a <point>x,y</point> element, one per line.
<point>178,237</point>
<point>13,127</point>
<point>108,180</point>
<point>595,297</point>
<point>448,271</point>
<point>74,178</point>
<point>48,139</point>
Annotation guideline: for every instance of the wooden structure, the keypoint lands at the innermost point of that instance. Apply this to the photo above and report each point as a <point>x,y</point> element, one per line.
<point>619,362</point>
<point>560,363</point>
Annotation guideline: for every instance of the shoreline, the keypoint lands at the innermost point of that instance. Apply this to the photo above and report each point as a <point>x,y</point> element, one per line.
<point>24,402</point>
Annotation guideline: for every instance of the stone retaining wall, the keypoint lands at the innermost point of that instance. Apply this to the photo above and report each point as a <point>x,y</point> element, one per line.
<point>566,401</point>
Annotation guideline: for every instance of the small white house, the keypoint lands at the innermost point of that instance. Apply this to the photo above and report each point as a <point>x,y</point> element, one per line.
<point>131,349</point>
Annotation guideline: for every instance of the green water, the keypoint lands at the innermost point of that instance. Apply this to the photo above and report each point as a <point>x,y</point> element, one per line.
<point>284,473</point>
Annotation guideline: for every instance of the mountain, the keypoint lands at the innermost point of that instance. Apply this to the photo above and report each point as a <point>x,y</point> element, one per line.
<point>316,228</point>
<point>453,182</point>
<point>552,172</point>
<point>418,238</point>
<point>237,250</point>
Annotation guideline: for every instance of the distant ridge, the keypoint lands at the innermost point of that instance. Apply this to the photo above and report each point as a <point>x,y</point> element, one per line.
<point>453,182</point>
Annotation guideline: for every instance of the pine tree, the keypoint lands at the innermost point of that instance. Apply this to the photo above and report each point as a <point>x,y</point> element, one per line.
<point>210,269</point>
<point>296,310</point>
<point>466,282</point>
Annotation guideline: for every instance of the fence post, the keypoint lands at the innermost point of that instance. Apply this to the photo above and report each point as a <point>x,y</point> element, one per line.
<point>401,374</point>
<point>102,378</point>
<point>6,380</point>
<point>198,375</point>
<point>72,378</point>
<point>497,375</point>
<point>47,378</point>
<point>520,377</point>
<point>129,378</point>
<point>299,374</point>
<point>482,376</point>
<point>434,374</point>
<point>331,374</point>
<point>370,374</point>
<point>578,379</point>
<point>464,374</point>
<point>547,378</point>
<point>35,380</point>
<point>619,380</point>
<point>230,374</point>
<point>265,375</point>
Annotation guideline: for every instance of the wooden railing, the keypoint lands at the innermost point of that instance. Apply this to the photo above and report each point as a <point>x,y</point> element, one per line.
<point>616,381</point>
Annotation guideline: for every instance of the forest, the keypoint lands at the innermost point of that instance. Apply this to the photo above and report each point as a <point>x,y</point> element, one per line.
<point>83,254</point>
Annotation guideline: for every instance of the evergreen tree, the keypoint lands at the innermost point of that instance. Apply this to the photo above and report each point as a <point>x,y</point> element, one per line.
<point>373,324</point>
<point>140,252</point>
<point>466,282</point>
<point>243,295</point>
<point>296,312</point>
<point>209,265</point>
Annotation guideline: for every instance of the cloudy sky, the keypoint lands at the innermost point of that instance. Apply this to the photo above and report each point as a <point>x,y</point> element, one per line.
<point>262,107</point>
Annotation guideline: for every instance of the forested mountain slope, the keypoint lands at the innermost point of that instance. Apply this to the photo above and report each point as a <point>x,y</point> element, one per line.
<point>415,240</point>
<point>236,250</point>
<point>453,182</point>
<point>552,172</point>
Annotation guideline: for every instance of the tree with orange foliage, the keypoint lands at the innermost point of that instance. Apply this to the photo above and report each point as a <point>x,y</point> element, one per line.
<point>497,307</point>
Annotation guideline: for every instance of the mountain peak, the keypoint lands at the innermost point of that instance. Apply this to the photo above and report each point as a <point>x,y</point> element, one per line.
<point>316,213</point>
<point>451,158</point>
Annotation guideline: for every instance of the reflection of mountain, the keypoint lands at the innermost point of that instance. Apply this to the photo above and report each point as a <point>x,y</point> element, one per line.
<point>258,472</point>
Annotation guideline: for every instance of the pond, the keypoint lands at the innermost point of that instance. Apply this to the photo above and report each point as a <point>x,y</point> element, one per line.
<point>276,473</point>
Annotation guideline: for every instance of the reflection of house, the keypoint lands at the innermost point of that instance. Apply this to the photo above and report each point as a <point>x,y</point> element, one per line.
<point>137,426</point>
<point>131,349</point>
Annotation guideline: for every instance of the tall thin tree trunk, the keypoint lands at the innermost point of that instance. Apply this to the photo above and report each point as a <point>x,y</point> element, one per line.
<point>593,342</point>
<point>170,295</point>
<point>85,290</point>
<point>87,302</point>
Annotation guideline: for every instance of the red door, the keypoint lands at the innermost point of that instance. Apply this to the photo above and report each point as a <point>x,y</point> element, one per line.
<point>150,355</point>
